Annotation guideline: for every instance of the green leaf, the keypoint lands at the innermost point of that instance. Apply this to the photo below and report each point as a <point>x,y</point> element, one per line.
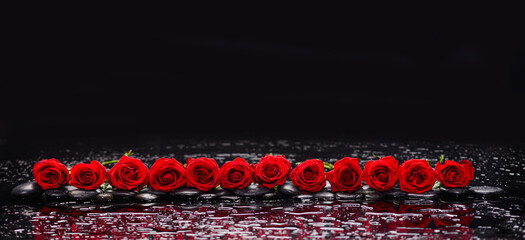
<point>275,187</point>
<point>442,158</point>
<point>328,166</point>
<point>437,185</point>
<point>185,164</point>
<point>218,186</point>
<point>271,154</point>
<point>105,186</point>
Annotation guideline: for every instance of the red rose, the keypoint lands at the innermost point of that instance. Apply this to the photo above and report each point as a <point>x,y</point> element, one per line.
<point>166,175</point>
<point>88,176</point>
<point>50,173</point>
<point>346,176</point>
<point>272,171</point>
<point>128,174</point>
<point>416,176</point>
<point>203,173</point>
<point>236,174</point>
<point>381,174</point>
<point>309,176</point>
<point>453,174</point>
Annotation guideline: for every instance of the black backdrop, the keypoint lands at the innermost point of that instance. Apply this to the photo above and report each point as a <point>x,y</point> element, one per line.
<point>446,76</point>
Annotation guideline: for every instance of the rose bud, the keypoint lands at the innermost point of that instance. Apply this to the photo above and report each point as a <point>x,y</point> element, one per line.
<point>416,176</point>
<point>88,176</point>
<point>346,176</point>
<point>50,173</point>
<point>453,174</point>
<point>167,174</point>
<point>236,174</point>
<point>203,173</point>
<point>309,176</point>
<point>128,174</point>
<point>381,174</point>
<point>272,170</point>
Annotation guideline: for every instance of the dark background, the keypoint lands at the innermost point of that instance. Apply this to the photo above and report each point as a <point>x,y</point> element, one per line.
<point>437,75</point>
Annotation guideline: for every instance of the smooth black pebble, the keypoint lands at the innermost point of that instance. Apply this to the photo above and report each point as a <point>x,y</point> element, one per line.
<point>207,196</point>
<point>372,196</point>
<point>186,192</point>
<point>56,192</point>
<point>146,197</point>
<point>81,194</point>
<point>348,196</point>
<point>253,191</point>
<point>105,197</point>
<point>394,193</point>
<point>221,192</point>
<point>454,192</point>
<point>325,195</point>
<point>426,195</point>
<point>122,194</point>
<point>27,190</point>
<point>153,191</point>
<point>486,190</point>
<point>288,189</point>
<point>271,196</point>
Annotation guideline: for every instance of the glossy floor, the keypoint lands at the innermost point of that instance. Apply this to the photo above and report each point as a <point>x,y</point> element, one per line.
<point>499,165</point>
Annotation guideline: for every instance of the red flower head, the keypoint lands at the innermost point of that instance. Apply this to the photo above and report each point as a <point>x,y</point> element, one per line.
<point>309,176</point>
<point>167,174</point>
<point>88,176</point>
<point>272,171</point>
<point>128,174</point>
<point>50,173</point>
<point>381,174</point>
<point>346,176</point>
<point>203,173</point>
<point>236,174</point>
<point>453,174</point>
<point>416,176</point>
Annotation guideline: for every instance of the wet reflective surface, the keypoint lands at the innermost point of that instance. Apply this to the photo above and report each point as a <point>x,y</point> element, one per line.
<point>391,218</point>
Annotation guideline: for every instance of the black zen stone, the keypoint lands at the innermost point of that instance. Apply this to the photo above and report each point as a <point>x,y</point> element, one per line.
<point>122,194</point>
<point>105,197</point>
<point>454,192</point>
<point>271,196</point>
<point>56,193</point>
<point>186,192</point>
<point>486,190</point>
<point>146,197</point>
<point>207,196</point>
<point>325,196</point>
<point>426,195</point>
<point>253,191</point>
<point>153,191</point>
<point>373,196</point>
<point>221,192</point>
<point>395,193</point>
<point>80,194</point>
<point>27,190</point>
<point>288,189</point>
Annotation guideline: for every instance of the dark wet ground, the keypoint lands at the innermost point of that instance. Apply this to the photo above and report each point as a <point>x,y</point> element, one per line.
<point>500,165</point>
